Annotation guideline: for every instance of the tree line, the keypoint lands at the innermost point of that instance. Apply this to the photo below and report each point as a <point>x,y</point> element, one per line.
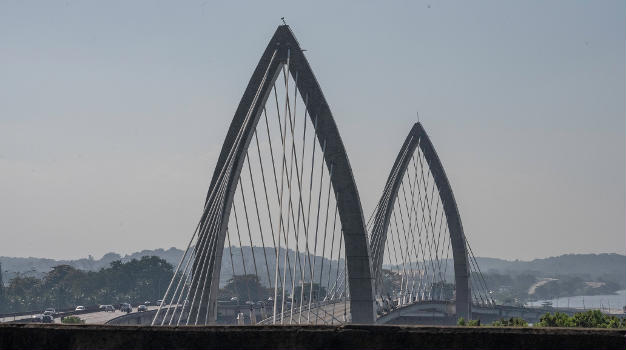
<point>66,287</point>
<point>135,281</point>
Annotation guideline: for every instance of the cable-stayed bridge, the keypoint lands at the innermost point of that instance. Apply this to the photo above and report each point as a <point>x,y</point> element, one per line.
<point>283,184</point>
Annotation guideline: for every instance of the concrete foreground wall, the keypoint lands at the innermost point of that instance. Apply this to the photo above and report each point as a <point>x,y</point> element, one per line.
<point>37,336</point>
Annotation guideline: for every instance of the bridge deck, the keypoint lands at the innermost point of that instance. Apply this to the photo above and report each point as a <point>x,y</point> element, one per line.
<point>98,317</point>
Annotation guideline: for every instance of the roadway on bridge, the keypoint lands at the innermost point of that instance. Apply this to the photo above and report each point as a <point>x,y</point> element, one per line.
<point>333,313</point>
<point>101,317</point>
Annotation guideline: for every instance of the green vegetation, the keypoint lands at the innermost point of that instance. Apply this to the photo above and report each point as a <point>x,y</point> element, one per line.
<point>510,282</point>
<point>469,323</point>
<point>245,288</point>
<point>72,320</point>
<point>65,286</point>
<point>511,322</point>
<point>473,323</point>
<point>588,319</point>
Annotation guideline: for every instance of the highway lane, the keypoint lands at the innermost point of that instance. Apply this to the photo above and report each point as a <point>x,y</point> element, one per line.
<point>11,318</point>
<point>101,317</point>
<point>334,313</point>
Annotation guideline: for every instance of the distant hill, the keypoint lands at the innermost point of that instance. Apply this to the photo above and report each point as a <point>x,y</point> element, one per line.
<point>612,266</point>
<point>39,266</point>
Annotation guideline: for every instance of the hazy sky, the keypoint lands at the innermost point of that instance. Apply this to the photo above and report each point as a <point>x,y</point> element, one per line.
<point>112,113</point>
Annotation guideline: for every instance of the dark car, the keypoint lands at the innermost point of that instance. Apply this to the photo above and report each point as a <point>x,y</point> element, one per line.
<point>142,308</point>
<point>126,307</point>
<point>42,318</point>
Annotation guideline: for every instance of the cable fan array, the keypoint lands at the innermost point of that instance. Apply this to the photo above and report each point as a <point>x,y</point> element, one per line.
<point>412,258</point>
<point>281,238</point>
<point>283,252</point>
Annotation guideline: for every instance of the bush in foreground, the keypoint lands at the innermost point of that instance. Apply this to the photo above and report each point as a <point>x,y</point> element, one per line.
<point>72,320</point>
<point>511,322</point>
<point>587,319</point>
<point>470,323</point>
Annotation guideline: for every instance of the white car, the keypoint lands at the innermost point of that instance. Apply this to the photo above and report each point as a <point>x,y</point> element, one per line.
<point>107,308</point>
<point>80,308</point>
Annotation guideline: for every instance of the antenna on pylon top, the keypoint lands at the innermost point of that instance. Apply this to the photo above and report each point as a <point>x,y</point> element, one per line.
<point>418,116</point>
<point>283,19</point>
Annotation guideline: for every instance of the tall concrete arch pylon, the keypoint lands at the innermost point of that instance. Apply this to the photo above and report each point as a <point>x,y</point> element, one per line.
<point>418,139</point>
<point>206,248</point>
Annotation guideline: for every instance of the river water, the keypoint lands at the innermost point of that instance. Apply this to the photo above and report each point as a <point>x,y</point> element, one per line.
<point>602,302</point>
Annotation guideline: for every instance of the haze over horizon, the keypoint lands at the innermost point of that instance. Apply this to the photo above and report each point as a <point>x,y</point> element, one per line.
<point>132,254</point>
<point>112,114</point>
